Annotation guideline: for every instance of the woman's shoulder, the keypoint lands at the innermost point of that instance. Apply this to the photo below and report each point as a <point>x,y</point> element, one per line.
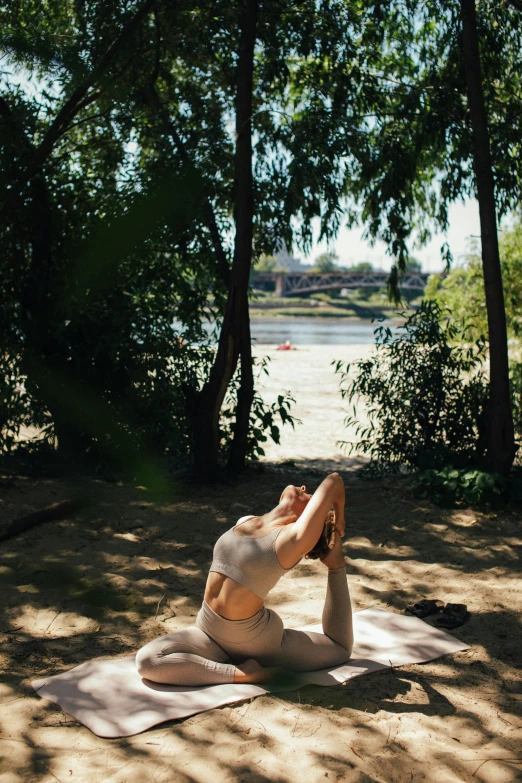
<point>257,527</point>
<point>241,520</point>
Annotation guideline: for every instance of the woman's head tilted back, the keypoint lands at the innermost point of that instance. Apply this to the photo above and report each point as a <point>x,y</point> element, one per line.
<point>295,499</point>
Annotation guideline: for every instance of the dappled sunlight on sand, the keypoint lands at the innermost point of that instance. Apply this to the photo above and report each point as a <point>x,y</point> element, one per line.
<point>115,576</point>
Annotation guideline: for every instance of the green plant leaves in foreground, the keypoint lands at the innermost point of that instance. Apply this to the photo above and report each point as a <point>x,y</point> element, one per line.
<point>451,485</point>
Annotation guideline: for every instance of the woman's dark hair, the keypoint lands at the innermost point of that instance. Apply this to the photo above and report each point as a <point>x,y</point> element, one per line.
<point>326,539</point>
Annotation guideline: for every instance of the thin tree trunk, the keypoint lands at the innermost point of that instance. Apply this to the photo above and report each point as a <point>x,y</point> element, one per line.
<point>235,332</point>
<point>500,439</point>
<point>245,396</point>
<point>39,321</point>
<point>69,110</point>
<point>244,213</point>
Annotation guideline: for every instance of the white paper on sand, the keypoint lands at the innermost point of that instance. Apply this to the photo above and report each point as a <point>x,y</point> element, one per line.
<point>111,699</point>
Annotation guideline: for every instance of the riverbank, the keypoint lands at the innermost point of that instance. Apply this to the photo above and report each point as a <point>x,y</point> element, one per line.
<point>307,373</point>
<point>326,305</point>
<point>316,308</point>
<point>348,314</point>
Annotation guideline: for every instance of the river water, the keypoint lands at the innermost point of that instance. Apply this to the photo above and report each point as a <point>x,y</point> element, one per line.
<point>300,330</point>
<point>305,330</point>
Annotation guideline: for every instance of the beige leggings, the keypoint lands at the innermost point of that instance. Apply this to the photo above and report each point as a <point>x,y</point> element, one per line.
<point>207,653</point>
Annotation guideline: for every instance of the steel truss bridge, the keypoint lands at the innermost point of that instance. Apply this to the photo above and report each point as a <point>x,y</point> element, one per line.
<point>296,283</point>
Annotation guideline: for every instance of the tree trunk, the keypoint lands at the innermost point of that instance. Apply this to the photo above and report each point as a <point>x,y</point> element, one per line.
<point>245,396</point>
<point>235,332</point>
<point>500,440</point>
<point>40,298</point>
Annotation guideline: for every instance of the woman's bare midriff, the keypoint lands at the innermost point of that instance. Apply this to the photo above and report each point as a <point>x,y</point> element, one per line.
<point>229,599</point>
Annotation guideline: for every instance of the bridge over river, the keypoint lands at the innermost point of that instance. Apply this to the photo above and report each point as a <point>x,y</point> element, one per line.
<point>296,283</point>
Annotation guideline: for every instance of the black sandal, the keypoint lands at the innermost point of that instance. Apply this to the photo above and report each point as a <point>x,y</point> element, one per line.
<point>453,616</point>
<point>425,607</point>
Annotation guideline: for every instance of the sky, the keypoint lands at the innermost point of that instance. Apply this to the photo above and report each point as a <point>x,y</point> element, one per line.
<point>352,248</point>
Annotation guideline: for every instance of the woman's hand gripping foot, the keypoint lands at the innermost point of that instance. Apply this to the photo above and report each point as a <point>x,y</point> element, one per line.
<point>335,556</point>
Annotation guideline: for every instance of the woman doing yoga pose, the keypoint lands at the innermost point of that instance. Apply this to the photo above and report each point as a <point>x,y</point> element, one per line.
<point>236,638</point>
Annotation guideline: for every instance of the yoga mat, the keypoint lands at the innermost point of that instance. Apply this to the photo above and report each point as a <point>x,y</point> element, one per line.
<point>111,699</point>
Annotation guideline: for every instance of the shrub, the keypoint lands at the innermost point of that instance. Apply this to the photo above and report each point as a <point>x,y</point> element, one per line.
<point>450,485</point>
<point>265,418</point>
<point>515,377</point>
<point>462,290</point>
<point>425,392</point>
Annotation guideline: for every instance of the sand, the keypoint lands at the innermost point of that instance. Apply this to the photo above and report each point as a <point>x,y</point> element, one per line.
<point>131,567</point>
<point>308,375</point>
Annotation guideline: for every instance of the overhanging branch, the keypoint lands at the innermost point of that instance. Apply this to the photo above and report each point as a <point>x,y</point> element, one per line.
<point>224,268</point>
<point>70,109</point>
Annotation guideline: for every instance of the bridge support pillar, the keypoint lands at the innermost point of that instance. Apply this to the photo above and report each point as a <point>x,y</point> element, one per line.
<point>280,283</point>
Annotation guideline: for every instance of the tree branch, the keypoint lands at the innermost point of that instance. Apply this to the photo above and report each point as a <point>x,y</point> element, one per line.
<point>86,119</point>
<point>70,109</point>
<point>88,100</point>
<point>210,216</point>
<point>49,514</point>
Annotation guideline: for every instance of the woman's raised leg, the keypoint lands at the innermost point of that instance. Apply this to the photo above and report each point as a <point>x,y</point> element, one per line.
<point>303,651</point>
<point>337,611</point>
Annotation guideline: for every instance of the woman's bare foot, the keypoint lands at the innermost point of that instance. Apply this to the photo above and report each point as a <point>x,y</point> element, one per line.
<point>251,671</point>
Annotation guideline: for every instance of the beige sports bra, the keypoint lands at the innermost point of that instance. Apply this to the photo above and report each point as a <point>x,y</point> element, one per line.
<point>252,562</point>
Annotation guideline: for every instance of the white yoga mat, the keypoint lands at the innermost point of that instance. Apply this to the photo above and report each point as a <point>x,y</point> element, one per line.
<point>111,699</point>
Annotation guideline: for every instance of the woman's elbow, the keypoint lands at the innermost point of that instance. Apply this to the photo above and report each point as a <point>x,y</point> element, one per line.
<point>336,483</point>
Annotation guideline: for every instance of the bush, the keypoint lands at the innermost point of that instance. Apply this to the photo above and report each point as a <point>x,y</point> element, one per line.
<point>515,377</point>
<point>450,485</point>
<point>462,290</point>
<point>264,417</point>
<point>425,393</point>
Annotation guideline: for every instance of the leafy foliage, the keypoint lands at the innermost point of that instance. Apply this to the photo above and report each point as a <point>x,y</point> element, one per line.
<point>461,293</point>
<point>325,263</point>
<point>449,485</point>
<point>424,395</point>
<point>515,377</point>
<point>101,253</point>
<point>265,418</point>
<point>96,360</point>
<point>357,107</point>
<point>420,147</point>
<point>267,264</point>
<point>462,290</point>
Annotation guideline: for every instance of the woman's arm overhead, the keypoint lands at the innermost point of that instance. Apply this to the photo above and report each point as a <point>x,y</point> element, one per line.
<point>308,528</point>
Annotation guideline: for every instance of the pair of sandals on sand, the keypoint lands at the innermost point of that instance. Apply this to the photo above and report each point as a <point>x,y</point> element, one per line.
<point>450,616</point>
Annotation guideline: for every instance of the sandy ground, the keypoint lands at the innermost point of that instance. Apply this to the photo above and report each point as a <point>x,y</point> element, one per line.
<point>132,567</point>
<point>307,373</point>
